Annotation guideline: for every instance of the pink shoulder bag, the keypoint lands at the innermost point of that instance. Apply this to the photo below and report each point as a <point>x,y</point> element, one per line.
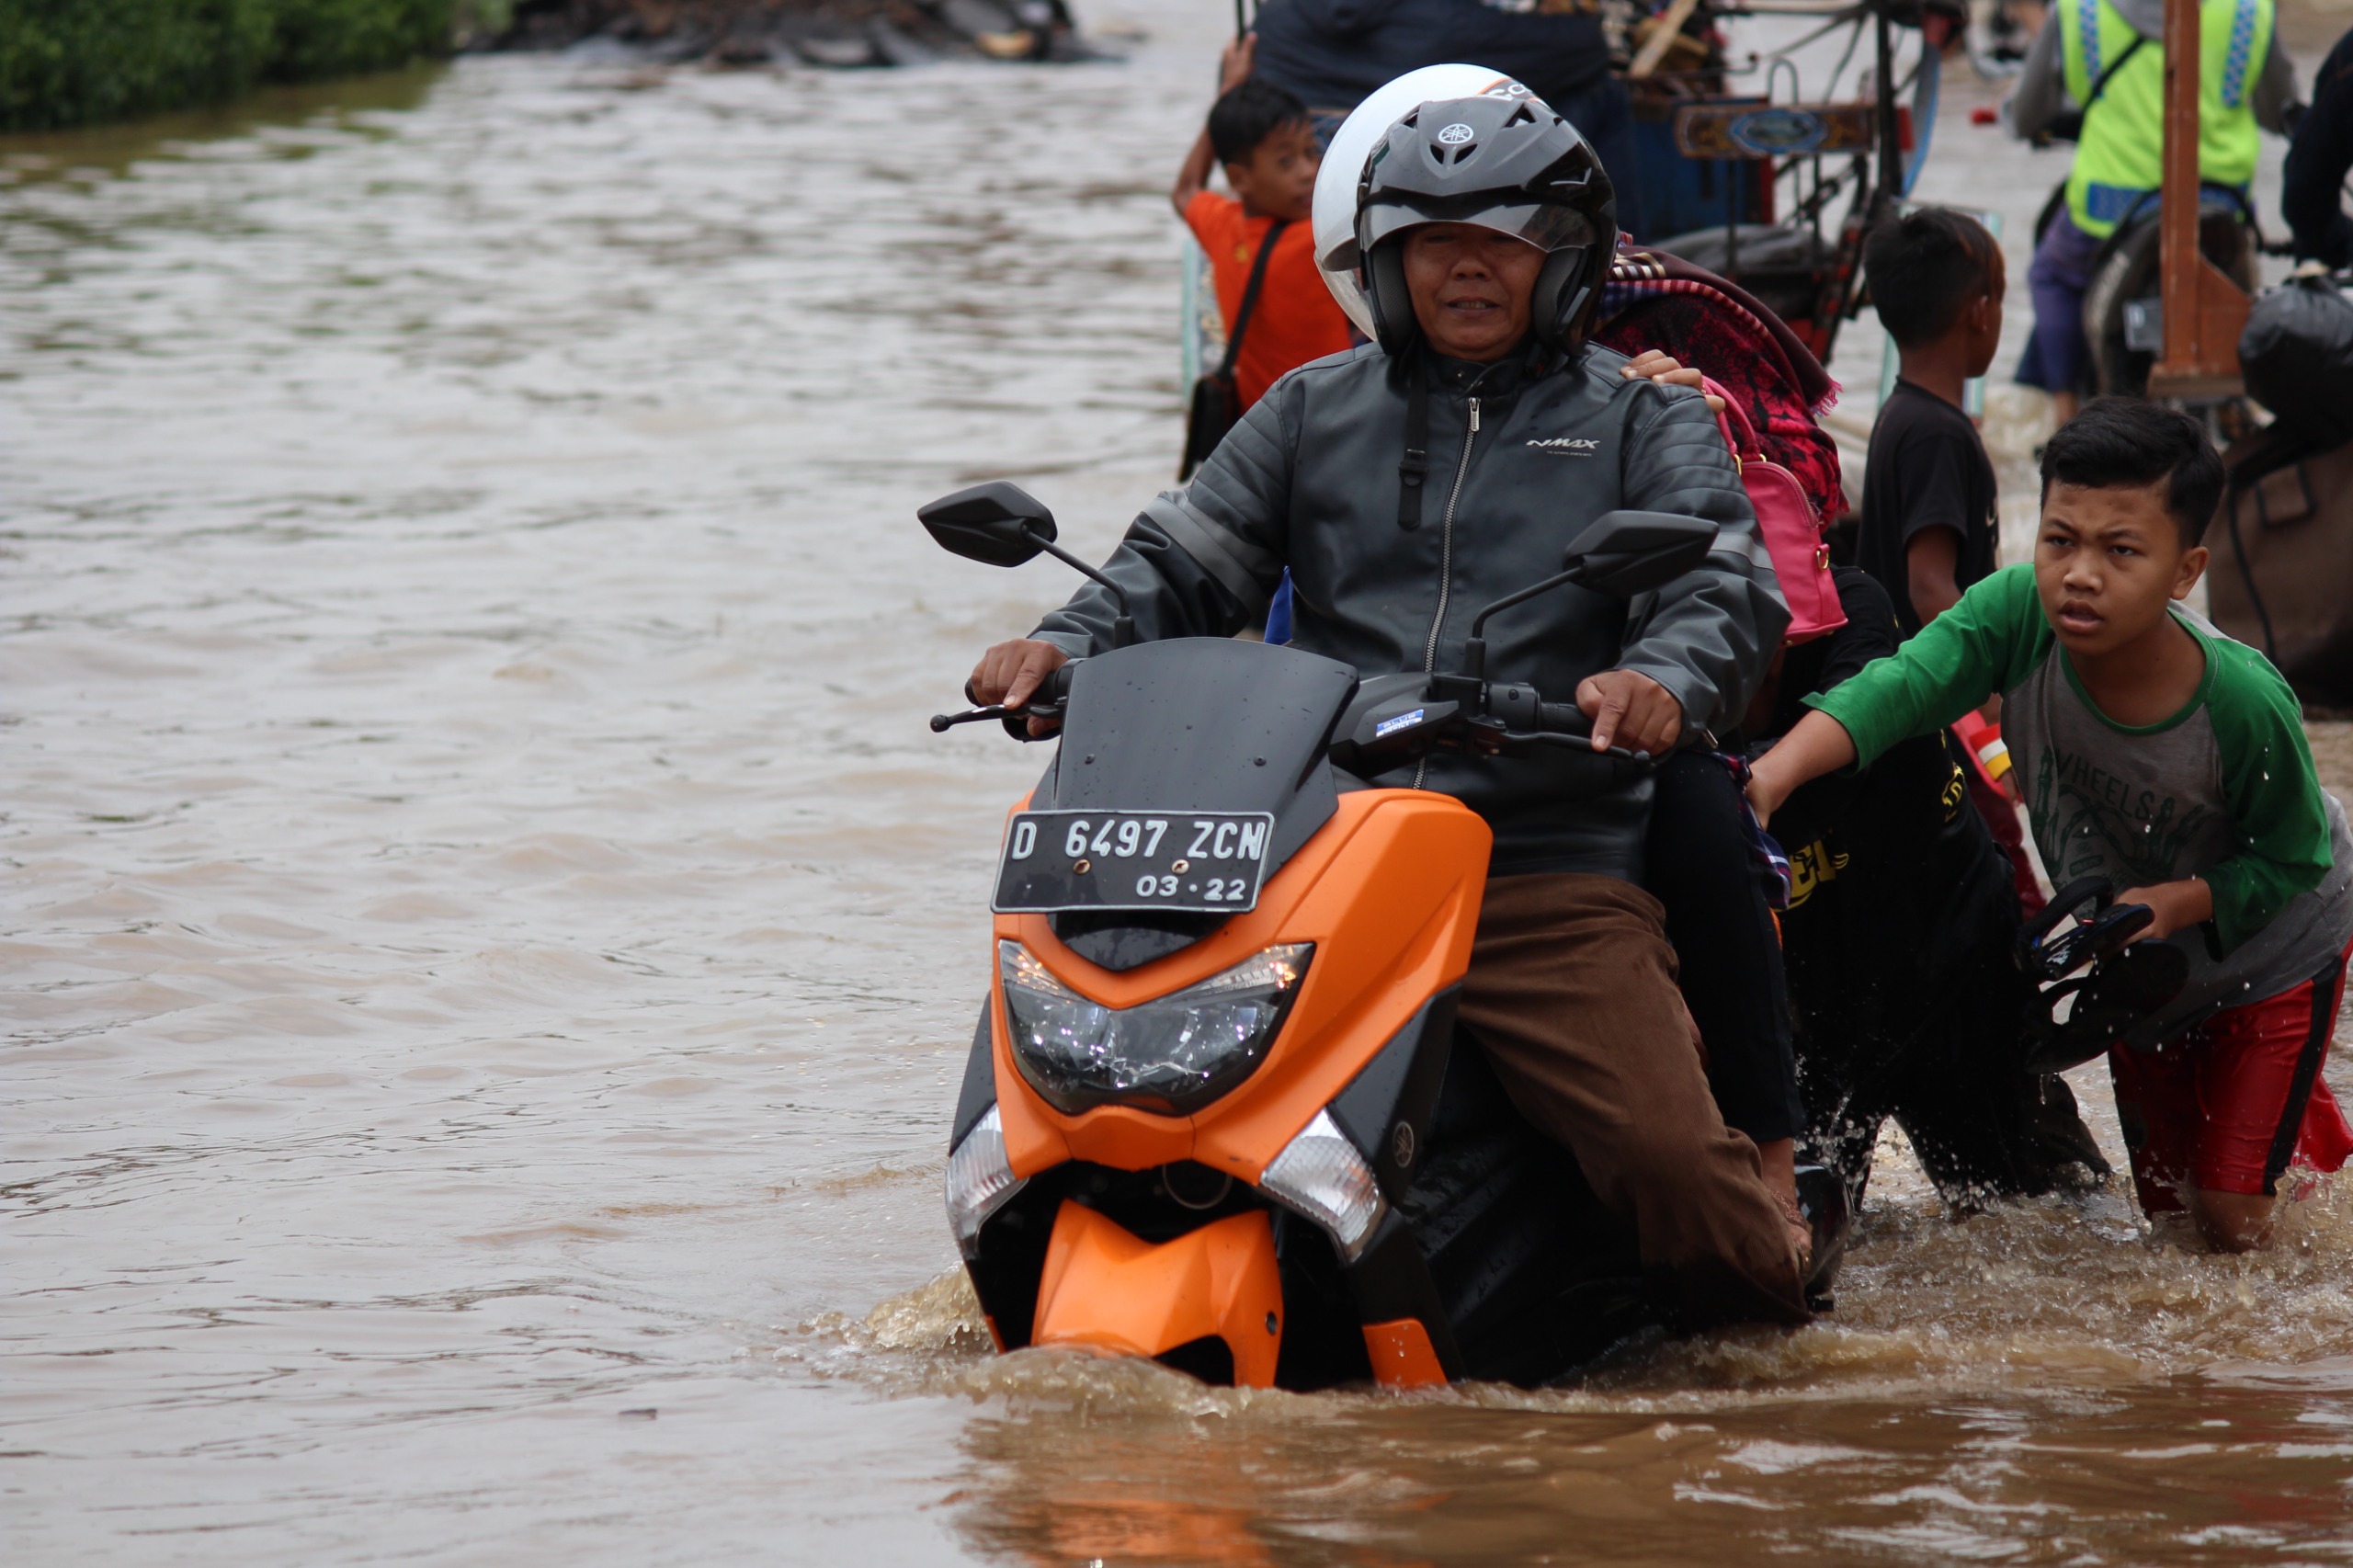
<point>1786,521</point>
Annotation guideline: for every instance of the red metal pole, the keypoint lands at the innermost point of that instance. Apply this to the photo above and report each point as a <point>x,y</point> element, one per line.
<point>2204,311</point>
<point>2178,220</point>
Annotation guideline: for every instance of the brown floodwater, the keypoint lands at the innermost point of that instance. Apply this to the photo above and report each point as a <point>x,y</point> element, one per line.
<point>490,942</point>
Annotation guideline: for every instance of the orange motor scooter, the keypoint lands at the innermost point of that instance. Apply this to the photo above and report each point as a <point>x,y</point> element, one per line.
<point>1216,1113</point>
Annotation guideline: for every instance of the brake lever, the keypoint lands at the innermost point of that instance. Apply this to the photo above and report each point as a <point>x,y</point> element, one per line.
<point>942,722</point>
<point>1574,742</point>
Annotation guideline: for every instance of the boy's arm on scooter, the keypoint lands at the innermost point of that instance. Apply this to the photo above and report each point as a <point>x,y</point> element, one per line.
<point>1815,744</point>
<point>1984,645</point>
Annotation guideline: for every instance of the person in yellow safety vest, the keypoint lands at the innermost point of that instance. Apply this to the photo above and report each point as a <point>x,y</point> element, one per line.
<point>2105,59</point>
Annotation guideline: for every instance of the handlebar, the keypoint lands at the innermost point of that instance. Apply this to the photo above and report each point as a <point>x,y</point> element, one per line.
<point>1529,720</point>
<point>1563,718</point>
<point>1446,713</point>
<point>1046,702</point>
<point>940,722</point>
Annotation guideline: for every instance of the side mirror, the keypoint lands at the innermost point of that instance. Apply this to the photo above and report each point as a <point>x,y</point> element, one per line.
<point>997,524</point>
<point>1625,553</point>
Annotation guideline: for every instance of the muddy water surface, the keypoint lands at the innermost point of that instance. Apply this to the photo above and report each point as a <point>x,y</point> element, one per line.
<point>490,943</point>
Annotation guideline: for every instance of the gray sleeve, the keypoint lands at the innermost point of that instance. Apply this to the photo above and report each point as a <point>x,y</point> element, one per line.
<point>2276,89</point>
<point>1709,636</point>
<point>1203,561</point>
<point>2043,88</point>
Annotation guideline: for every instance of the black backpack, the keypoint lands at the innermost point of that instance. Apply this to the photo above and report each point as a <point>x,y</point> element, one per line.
<point>2297,353</point>
<point>1216,403</point>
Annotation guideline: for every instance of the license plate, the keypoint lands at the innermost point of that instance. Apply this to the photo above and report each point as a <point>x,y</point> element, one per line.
<point>1206,861</point>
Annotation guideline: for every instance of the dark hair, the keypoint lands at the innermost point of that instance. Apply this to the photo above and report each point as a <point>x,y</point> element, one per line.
<point>2128,441</point>
<point>1249,114</point>
<point>1923,267</point>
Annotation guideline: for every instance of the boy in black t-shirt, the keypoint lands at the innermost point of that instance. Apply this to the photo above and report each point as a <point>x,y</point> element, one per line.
<point>1928,531</point>
<point>1936,279</point>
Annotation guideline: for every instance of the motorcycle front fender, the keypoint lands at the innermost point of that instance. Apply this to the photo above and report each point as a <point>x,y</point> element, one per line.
<point>1109,1289</point>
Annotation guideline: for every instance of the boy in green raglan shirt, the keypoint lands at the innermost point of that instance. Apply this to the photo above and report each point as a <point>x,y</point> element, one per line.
<point>2161,755</point>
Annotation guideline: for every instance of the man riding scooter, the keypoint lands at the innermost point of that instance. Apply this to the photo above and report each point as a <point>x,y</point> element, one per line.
<point>1448,464</point>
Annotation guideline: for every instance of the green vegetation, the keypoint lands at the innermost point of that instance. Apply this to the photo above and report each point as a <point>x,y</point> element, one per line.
<point>73,61</point>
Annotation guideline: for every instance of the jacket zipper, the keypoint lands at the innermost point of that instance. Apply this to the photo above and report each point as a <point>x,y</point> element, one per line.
<point>1446,566</point>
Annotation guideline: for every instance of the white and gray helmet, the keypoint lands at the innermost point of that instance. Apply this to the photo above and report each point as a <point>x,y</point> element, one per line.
<point>1485,153</point>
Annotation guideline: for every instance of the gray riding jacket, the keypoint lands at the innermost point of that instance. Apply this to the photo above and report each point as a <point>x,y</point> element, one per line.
<point>1522,455</point>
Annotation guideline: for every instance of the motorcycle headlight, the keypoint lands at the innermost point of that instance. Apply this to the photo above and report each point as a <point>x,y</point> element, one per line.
<point>980,1180</point>
<point>1321,1174</point>
<point>1173,1055</point>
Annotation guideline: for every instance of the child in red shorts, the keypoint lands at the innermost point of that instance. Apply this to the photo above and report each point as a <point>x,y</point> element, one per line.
<point>2161,755</point>
<point>1263,136</point>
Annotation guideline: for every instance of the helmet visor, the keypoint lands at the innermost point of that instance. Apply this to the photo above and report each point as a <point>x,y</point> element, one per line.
<point>1546,225</point>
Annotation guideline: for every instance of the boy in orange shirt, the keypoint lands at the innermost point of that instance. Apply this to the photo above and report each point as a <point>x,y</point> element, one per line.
<point>1263,138</point>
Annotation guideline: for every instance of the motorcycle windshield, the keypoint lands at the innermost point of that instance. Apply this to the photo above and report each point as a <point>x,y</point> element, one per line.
<point>1205,725</point>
